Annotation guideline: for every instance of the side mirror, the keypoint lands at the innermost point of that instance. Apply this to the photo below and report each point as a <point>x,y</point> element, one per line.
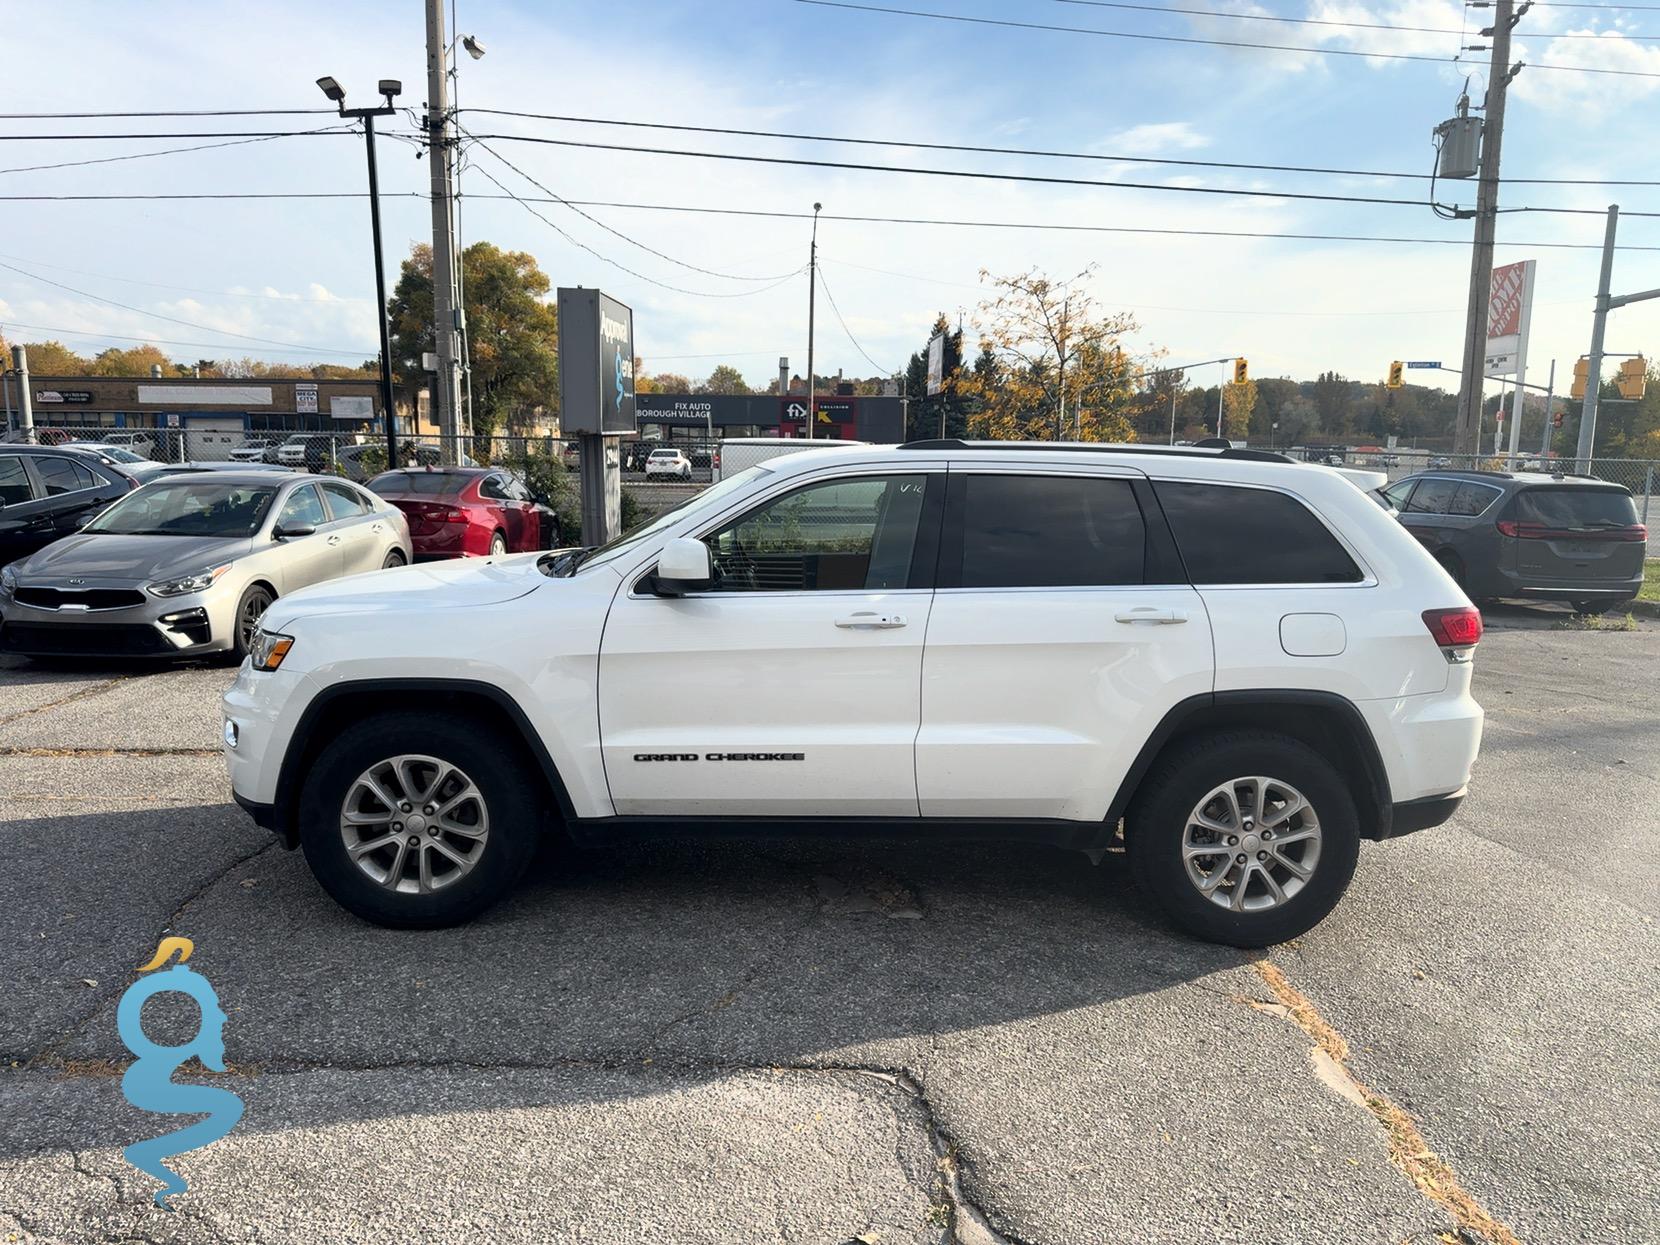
<point>683,567</point>
<point>293,531</point>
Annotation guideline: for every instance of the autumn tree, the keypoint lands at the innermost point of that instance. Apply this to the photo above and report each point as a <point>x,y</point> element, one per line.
<point>661,382</point>
<point>1238,401</point>
<point>724,379</point>
<point>512,331</point>
<point>1057,368</point>
<point>53,358</point>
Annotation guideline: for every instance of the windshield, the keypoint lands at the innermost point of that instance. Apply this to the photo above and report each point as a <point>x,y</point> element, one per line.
<point>188,508</point>
<point>1576,507</point>
<point>707,499</point>
<point>121,455</point>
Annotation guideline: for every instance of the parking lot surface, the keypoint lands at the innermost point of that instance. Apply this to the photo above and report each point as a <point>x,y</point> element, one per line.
<point>849,1041</point>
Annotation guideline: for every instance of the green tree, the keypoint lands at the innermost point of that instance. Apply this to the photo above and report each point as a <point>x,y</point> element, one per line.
<point>52,358</point>
<point>512,332</point>
<point>724,379</point>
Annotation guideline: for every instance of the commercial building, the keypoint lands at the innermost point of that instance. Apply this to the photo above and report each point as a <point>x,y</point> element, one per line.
<point>697,416</point>
<point>217,414</point>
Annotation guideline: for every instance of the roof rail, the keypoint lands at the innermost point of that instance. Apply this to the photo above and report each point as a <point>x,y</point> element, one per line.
<point>955,443</point>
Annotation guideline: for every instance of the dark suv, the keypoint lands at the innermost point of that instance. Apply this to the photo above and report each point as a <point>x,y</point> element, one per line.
<point>1508,534</point>
<point>46,493</point>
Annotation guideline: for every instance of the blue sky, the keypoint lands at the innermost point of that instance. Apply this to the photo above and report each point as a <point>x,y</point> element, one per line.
<point>298,271</point>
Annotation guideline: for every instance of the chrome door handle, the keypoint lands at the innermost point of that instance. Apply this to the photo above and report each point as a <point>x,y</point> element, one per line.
<point>1151,614</point>
<point>869,620</point>
<point>334,540</point>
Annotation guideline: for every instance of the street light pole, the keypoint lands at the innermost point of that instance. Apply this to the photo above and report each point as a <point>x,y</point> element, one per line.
<point>389,88</point>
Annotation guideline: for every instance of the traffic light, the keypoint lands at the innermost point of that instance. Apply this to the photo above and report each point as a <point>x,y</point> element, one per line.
<point>1582,377</point>
<point>1556,420</point>
<point>1633,378</point>
<point>1241,371</point>
<point>1395,370</point>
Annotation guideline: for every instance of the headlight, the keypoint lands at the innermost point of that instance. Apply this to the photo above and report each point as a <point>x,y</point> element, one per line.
<point>189,583</point>
<point>268,648</point>
<point>8,578</point>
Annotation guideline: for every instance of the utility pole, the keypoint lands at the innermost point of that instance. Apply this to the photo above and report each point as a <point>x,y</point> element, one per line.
<point>1606,302</point>
<point>26,398</point>
<point>445,322</point>
<point>1550,401</point>
<point>1467,430</point>
<point>812,289</point>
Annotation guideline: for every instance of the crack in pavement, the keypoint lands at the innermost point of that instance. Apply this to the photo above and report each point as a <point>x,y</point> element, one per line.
<point>1429,1173</point>
<point>95,690</point>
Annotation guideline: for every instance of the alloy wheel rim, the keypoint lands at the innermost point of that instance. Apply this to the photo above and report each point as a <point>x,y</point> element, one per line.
<point>253,609</point>
<point>414,824</point>
<point>1251,844</point>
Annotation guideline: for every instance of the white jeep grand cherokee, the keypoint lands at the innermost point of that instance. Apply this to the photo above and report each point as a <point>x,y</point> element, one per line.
<point>1243,661</point>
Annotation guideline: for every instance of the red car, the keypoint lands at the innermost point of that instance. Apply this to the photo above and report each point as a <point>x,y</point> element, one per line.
<point>468,512</point>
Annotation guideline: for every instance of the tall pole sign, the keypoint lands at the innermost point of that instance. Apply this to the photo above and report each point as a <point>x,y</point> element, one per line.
<point>596,400</point>
<point>1509,313</point>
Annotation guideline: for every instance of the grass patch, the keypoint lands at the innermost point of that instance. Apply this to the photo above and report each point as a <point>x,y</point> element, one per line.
<point>1596,622</point>
<point>1650,590</point>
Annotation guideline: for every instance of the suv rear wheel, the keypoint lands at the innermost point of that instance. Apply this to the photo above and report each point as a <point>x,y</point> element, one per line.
<point>418,821</point>
<point>1244,837</point>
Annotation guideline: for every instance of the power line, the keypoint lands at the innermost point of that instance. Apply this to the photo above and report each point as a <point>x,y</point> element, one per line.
<point>843,322</point>
<point>1193,39</point>
<point>200,112</point>
<point>1030,151</point>
<point>1057,227</point>
<point>172,151</point>
<point>189,324</point>
<point>708,272</point>
<point>1036,178</point>
<point>98,138</point>
<point>149,341</point>
<point>235,194</point>
<point>183,289</point>
<point>491,177</point>
<point>1304,21</point>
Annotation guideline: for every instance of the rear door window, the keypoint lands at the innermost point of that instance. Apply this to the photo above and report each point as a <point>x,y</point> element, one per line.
<point>1575,507</point>
<point>60,475</point>
<point>1030,531</point>
<point>1471,498</point>
<point>1433,496</point>
<point>344,501</point>
<point>1233,535</point>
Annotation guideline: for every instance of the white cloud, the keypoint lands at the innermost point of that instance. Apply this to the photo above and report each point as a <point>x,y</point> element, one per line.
<point>1583,95</point>
<point>1157,138</point>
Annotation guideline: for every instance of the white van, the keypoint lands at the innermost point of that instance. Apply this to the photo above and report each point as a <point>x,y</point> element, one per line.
<point>735,454</point>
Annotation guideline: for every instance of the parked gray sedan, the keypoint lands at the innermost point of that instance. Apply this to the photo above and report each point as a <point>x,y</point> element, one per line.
<point>187,564</point>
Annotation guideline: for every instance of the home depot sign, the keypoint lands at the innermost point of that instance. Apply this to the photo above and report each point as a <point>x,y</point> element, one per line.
<point>1509,310</point>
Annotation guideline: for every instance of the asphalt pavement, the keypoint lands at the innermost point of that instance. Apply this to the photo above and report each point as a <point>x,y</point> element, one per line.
<point>848,1041</point>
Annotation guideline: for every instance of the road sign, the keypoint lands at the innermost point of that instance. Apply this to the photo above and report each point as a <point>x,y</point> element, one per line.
<point>1422,363</point>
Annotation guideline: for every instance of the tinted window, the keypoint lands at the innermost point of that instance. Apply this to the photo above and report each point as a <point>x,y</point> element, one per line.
<point>419,483</point>
<point>59,475</point>
<point>1433,497</point>
<point>1472,499</point>
<point>493,488</point>
<point>302,509</point>
<point>1575,507</point>
<point>1050,531</point>
<point>1252,536</point>
<point>344,501</point>
<point>14,481</point>
<point>845,534</point>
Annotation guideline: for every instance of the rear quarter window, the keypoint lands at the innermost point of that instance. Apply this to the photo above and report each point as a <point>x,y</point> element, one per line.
<point>1233,535</point>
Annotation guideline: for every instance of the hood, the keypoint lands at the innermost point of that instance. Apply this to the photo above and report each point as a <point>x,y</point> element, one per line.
<point>130,559</point>
<point>405,590</point>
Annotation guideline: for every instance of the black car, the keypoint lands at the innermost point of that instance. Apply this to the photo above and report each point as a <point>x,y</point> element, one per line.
<point>47,493</point>
<point>1515,534</point>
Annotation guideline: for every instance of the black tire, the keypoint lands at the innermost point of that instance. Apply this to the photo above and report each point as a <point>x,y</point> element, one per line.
<point>1587,605</point>
<point>394,558</point>
<point>514,802</point>
<point>255,600</point>
<point>1158,820</point>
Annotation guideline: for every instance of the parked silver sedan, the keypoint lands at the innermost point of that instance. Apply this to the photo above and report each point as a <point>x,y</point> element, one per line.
<point>187,564</point>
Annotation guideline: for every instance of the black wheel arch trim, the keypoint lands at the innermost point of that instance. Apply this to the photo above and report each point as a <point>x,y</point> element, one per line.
<point>1184,712</point>
<point>284,810</point>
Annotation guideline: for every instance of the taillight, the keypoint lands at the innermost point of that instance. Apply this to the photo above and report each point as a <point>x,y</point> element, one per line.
<point>1538,531</point>
<point>1455,628</point>
<point>1508,527</point>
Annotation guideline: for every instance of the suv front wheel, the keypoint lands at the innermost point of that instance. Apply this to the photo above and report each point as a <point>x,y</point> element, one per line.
<point>418,821</point>
<point>1244,837</point>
